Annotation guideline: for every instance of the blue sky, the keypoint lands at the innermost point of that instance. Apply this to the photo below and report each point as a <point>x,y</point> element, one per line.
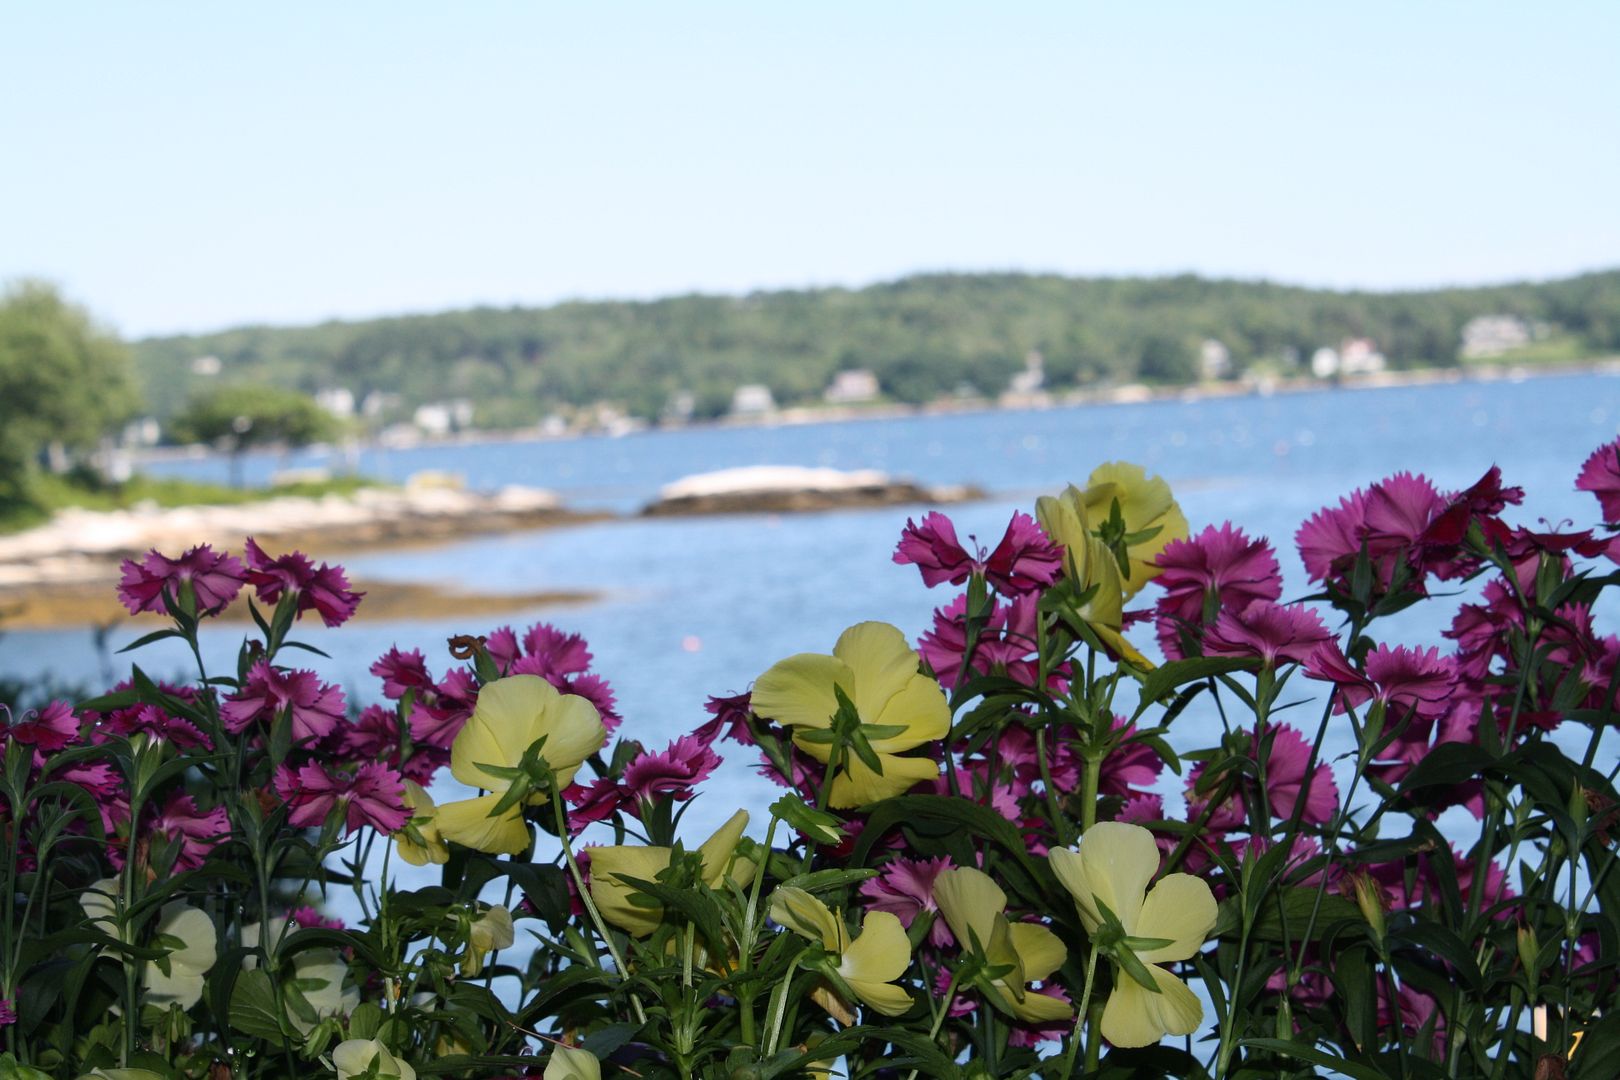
<point>191,166</point>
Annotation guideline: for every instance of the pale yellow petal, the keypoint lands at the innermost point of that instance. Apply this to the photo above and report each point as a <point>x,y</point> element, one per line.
<point>609,865</point>
<point>808,917</point>
<point>1135,1016</point>
<point>970,902</point>
<point>1179,907</point>
<point>1114,865</point>
<point>921,708</point>
<point>1040,950</point>
<point>881,661</point>
<point>506,720</point>
<point>881,953</point>
<point>857,785</point>
<point>574,731</point>
<point>493,930</point>
<point>1063,517</point>
<point>353,1057</point>
<point>1039,1008</point>
<point>718,849</point>
<point>885,997</point>
<point>467,822</point>
<point>571,1063</point>
<point>798,691</point>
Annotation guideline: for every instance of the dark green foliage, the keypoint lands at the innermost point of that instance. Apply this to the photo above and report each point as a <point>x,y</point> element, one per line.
<point>925,337</point>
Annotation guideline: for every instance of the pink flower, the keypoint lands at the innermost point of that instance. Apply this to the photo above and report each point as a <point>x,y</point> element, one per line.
<point>1007,642</point>
<point>194,830</point>
<point>905,889</point>
<point>1273,632</point>
<point>47,730</point>
<point>1601,476</point>
<point>1222,562</point>
<point>374,796</point>
<point>1131,768</point>
<point>324,589</point>
<point>1441,541</point>
<point>1287,785</point>
<point>214,576</point>
<point>675,771</point>
<point>268,691</point>
<point>402,672</point>
<point>8,1015</point>
<point>730,719</point>
<point>1329,539</point>
<point>1024,560</point>
<point>1032,1035</point>
<point>934,550</point>
<point>1405,680</point>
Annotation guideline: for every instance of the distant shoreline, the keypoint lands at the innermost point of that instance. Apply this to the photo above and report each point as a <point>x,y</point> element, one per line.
<point>1130,394</point>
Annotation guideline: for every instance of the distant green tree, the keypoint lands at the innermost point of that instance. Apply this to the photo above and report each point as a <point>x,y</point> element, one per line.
<point>1167,360</point>
<point>65,384</point>
<point>240,418</point>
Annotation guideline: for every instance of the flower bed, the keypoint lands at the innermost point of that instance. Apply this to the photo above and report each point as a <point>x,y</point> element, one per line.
<point>980,863</point>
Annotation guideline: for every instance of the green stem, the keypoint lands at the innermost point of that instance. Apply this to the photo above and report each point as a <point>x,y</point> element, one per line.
<point>590,904</point>
<point>1080,1016</point>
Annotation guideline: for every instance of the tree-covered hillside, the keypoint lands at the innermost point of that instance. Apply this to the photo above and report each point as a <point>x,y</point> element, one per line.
<point>925,337</point>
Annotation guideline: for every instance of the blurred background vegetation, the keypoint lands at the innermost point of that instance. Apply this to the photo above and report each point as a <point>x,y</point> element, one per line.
<point>924,338</point>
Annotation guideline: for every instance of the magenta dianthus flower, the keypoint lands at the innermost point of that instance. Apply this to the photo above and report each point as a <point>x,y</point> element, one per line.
<point>46,730</point>
<point>1273,632</point>
<point>1025,560</point>
<point>196,831</point>
<point>374,795</point>
<point>1600,475</point>
<point>215,578</point>
<point>323,589</point>
<point>905,889</point>
<point>315,707</point>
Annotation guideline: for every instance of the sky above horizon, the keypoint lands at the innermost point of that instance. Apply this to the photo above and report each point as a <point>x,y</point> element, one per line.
<point>184,167</point>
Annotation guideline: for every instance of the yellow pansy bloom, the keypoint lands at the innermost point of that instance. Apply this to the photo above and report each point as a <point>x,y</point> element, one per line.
<point>572,1063</point>
<point>975,908</point>
<point>610,865</point>
<point>1145,502</point>
<point>1112,869</point>
<point>877,671</point>
<point>424,818</point>
<point>511,714</point>
<point>868,963</point>
<point>354,1056</point>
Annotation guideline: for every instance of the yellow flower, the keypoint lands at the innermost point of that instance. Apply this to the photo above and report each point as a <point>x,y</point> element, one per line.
<point>1089,565</point>
<point>1145,504</point>
<point>572,1063</point>
<point>424,819</point>
<point>975,908</point>
<point>877,672</point>
<point>490,931</point>
<point>1112,870</point>
<point>609,865</point>
<point>183,985</point>
<point>353,1057</point>
<point>511,714</point>
<point>868,964</point>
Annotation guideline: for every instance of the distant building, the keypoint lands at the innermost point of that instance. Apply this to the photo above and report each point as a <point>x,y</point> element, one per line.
<point>1024,388</point>
<point>1354,356</point>
<point>337,400</point>
<point>1360,356</point>
<point>1493,335</point>
<point>852,387</point>
<point>752,399</point>
<point>681,406</point>
<point>206,366</point>
<point>443,417</point>
<point>378,402</point>
<point>1214,359</point>
<point>145,431</point>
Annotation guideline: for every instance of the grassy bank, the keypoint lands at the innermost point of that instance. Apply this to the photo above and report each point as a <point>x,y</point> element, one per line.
<point>48,493</point>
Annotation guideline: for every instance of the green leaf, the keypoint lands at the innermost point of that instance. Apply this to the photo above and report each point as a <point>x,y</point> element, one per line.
<point>1311,1055</point>
<point>254,1008</point>
<point>1168,676</point>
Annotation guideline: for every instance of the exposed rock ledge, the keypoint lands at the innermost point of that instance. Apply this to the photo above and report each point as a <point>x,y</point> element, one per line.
<point>791,488</point>
<point>79,547</point>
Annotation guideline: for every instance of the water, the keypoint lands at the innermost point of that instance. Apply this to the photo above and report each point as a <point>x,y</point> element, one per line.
<point>693,607</point>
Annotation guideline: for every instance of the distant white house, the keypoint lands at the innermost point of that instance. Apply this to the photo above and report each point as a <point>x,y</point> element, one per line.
<point>206,366</point>
<point>378,402</point>
<point>1493,335</point>
<point>1354,356</point>
<point>443,417</point>
<point>852,387</point>
<point>337,400</point>
<point>1214,359</point>
<point>752,399</point>
<point>1032,378</point>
